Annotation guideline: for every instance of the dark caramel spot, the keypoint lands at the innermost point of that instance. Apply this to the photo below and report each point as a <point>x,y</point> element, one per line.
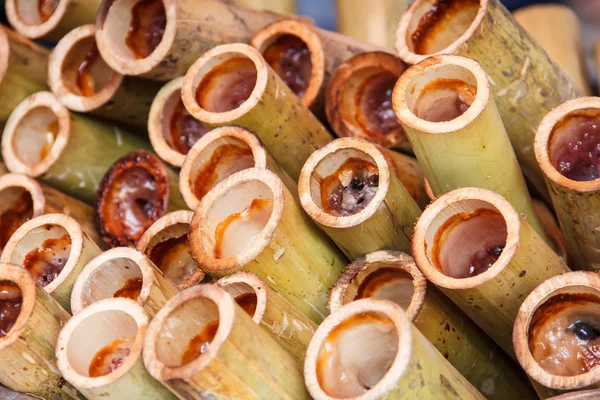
<point>147,27</point>
<point>248,301</point>
<point>47,261</point>
<point>374,110</point>
<point>131,289</point>
<point>85,80</point>
<point>110,357</point>
<point>227,86</point>
<point>185,129</point>
<point>228,156</point>
<point>200,343</point>
<point>15,216</point>
<point>46,8</point>
<point>172,256</point>
<point>245,215</point>
<point>51,133</point>
<point>289,57</point>
<point>349,189</point>
<point>10,306</point>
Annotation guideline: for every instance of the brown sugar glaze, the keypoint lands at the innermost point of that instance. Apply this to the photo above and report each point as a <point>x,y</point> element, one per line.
<point>10,305</point>
<point>577,157</point>
<point>441,19</point>
<point>200,343</point>
<point>85,80</point>
<point>185,130</point>
<point>248,301</point>
<point>47,261</point>
<point>387,283</point>
<point>444,100</point>
<point>51,133</point>
<point>172,256</point>
<point>226,160</point>
<point>131,289</point>
<point>15,216</point>
<point>373,99</point>
<point>110,357</point>
<point>354,373</point>
<point>227,85</point>
<point>289,57</point>
<point>132,195</point>
<point>46,8</point>
<point>564,334</point>
<point>478,262</point>
<point>349,189</point>
<point>246,215</point>
<point>147,27</point>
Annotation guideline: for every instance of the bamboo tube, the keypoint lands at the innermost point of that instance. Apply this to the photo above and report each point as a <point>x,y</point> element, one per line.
<point>550,225</point>
<point>368,349</point>
<point>409,173</point>
<point>278,6</point>
<point>49,20</point>
<point>221,153</point>
<point>450,117</point>
<point>272,111</point>
<point>282,321</point>
<point>241,360</point>
<point>358,99</point>
<point>487,271</point>
<point>385,221</point>
<point>68,151</point>
<point>82,81</point>
<point>558,314</point>
<point>27,362</point>
<point>181,42</point>
<point>7,394</point>
<point>22,70</point>
<point>394,276</point>
<point>54,249</point>
<point>372,22</point>
<point>525,83</point>
<point>555,27</point>
<point>22,193</point>
<point>571,175</point>
<point>171,129</point>
<point>166,244</point>
<point>136,190</point>
<point>272,238</point>
<point>122,272</point>
<point>110,328</point>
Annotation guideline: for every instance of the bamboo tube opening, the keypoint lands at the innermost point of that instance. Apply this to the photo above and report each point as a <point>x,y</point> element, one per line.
<point>218,155</point>
<point>119,272</point>
<point>387,275</point>
<point>35,18</point>
<point>134,36</point>
<point>102,343</point>
<point>171,128</point>
<point>48,247</point>
<point>557,331</point>
<point>77,75</point>
<point>225,83</point>
<point>188,331</point>
<point>344,183</point>
<point>17,301</point>
<point>166,243</point>
<point>465,238</point>
<point>566,144</point>
<point>432,27</point>
<point>337,365</point>
<point>449,89</point>
<point>35,134</point>
<point>359,98</point>
<point>295,53</point>
<point>248,291</point>
<point>235,220</point>
<point>132,195</point>
<point>22,200</point>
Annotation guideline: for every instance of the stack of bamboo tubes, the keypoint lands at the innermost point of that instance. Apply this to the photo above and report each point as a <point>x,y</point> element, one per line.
<point>205,199</point>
